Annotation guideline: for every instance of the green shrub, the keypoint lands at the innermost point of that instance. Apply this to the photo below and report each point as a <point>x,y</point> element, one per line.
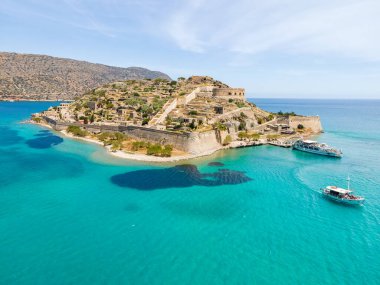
<point>116,145</point>
<point>221,127</point>
<point>158,150</point>
<point>300,127</point>
<point>245,135</point>
<point>110,138</point>
<point>227,140</point>
<point>255,137</point>
<point>242,126</point>
<point>154,149</point>
<point>76,131</point>
<point>286,114</point>
<point>242,135</point>
<point>167,151</point>
<point>240,104</point>
<point>36,120</point>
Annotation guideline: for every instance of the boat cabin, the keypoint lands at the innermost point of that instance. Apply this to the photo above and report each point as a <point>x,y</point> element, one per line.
<point>309,142</point>
<point>338,192</point>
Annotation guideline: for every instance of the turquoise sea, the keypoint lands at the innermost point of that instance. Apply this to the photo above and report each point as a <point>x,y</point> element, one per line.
<point>71,214</point>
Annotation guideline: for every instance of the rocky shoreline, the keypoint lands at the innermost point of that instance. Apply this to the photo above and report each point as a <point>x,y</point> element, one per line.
<point>144,157</point>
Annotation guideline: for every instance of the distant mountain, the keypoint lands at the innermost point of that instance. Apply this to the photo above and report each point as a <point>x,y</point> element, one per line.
<point>42,77</point>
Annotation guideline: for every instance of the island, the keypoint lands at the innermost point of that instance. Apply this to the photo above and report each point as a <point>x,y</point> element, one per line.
<point>166,120</point>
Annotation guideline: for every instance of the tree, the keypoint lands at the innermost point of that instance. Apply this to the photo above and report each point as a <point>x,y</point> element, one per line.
<point>76,131</point>
<point>221,127</point>
<point>192,125</point>
<point>242,126</point>
<point>300,127</point>
<point>227,140</point>
<point>242,135</point>
<point>154,149</point>
<point>255,137</point>
<point>167,151</point>
<point>116,145</point>
<point>138,145</point>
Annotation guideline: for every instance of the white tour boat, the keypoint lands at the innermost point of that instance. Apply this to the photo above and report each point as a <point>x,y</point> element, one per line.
<point>342,195</point>
<point>316,148</point>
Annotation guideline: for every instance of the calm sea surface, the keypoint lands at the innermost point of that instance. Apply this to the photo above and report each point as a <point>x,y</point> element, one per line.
<point>70,214</point>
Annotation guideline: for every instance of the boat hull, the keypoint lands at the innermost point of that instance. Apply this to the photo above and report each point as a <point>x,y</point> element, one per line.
<point>356,202</point>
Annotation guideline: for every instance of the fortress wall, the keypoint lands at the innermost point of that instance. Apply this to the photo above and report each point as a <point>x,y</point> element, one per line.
<point>203,142</point>
<point>177,140</point>
<point>189,142</point>
<point>193,143</point>
<point>229,93</point>
<point>312,122</point>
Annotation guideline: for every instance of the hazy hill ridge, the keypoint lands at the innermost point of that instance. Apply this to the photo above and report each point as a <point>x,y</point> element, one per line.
<point>41,77</point>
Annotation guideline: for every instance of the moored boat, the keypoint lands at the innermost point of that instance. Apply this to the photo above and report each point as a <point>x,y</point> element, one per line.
<point>342,195</point>
<point>317,148</point>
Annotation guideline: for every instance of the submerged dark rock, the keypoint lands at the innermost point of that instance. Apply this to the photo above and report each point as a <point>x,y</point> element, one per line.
<point>45,139</point>
<point>215,163</point>
<point>9,136</point>
<point>185,175</point>
<point>43,133</point>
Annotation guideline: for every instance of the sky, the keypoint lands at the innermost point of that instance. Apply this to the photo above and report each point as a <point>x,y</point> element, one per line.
<point>272,48</point>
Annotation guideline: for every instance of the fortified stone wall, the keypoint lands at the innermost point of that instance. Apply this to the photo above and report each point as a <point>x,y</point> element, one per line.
<point>309,122</point>
<point>177,140</point>
<point>203,142</point>
<point>229,93</point>
<point>193,143</point>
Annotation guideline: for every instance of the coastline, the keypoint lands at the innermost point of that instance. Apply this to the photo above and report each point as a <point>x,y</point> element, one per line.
<point>156,159</point>
<point>132,156</point>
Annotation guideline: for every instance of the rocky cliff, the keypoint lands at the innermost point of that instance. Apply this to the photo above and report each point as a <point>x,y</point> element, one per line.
<point>41,77</point>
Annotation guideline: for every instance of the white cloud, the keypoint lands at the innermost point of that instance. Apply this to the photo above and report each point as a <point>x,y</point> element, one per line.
<point>335,27</point>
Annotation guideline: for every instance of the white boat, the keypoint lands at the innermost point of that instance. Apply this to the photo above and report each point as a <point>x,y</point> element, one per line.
<point>342,195</point>
<point>317,148</point>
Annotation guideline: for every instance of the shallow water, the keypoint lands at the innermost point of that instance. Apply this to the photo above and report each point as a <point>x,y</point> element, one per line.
<point>71,214</point>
